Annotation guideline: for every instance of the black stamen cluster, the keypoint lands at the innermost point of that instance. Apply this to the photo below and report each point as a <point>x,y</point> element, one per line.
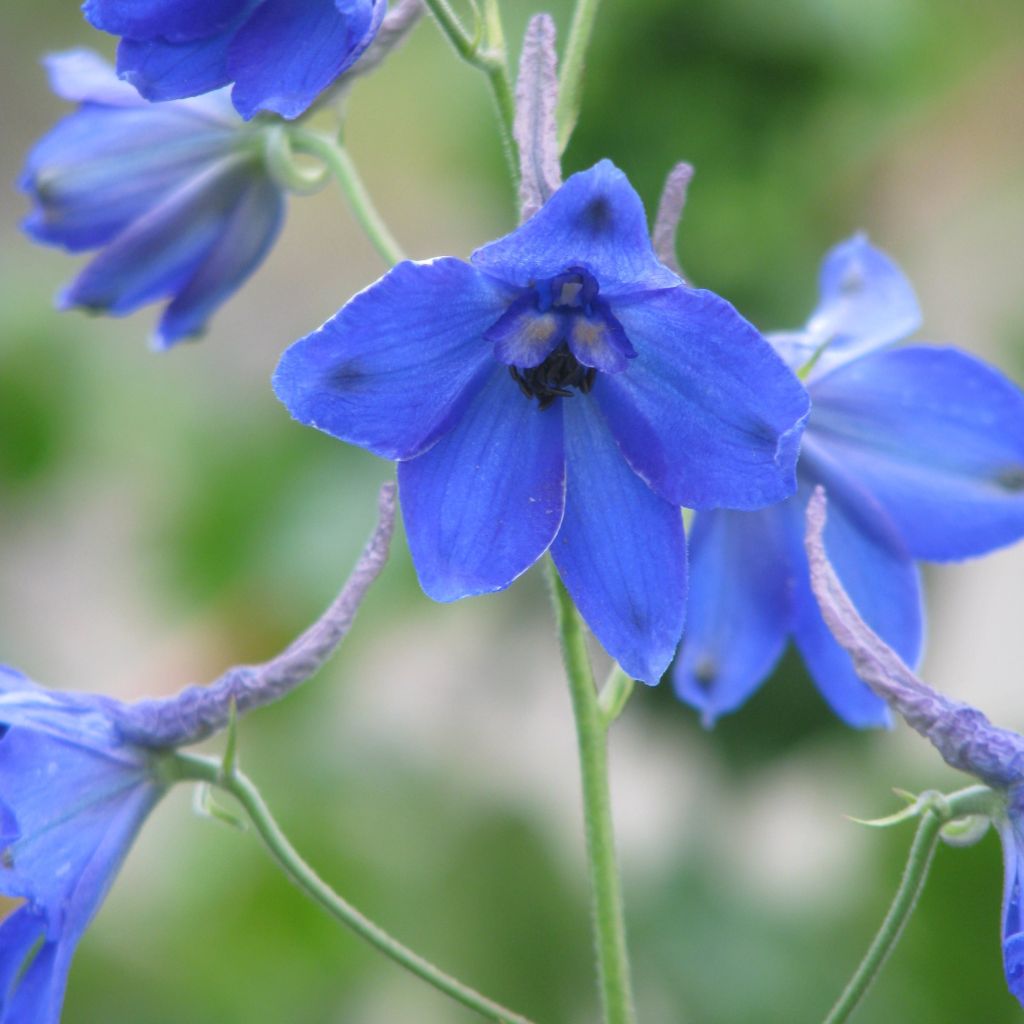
<point>554,378</point>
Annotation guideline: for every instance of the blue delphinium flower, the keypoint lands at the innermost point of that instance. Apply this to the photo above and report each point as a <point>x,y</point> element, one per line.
<point>561,390</point>
<point>962,734</point>
<point>280,54</point>
<point>176,196</point>
<point>79,773</point>
<point>922,452</point>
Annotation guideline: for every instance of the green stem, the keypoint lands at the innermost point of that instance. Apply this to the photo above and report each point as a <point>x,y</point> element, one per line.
<point>492,61</point>
<point>592,738</point>
<point>570,81</point>
<point>186,766</point>
<point>914,876</point>
<point>335,157</point>
<point>617,689</point>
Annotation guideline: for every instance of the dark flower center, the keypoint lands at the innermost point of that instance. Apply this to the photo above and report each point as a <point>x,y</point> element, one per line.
<point>554,378</point>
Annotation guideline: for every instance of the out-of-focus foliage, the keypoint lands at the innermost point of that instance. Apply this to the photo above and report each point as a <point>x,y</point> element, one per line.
<point>161,518</point>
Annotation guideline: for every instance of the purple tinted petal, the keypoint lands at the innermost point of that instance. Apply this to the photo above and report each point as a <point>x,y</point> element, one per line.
<point>173,20</point>
<point>19,935</point>
<point>878,574</point>
<point>621,550</point>
<point>38,995</point>
<point>1012,833</point>
<point>246,235</point>
<point>707,413</point>
<point>741,605</point>
<point>397,366</point>
<point>598,340</point>
<point>524,337</point>
<point>486,501</point>
<point>85,77</point>
<point>595,221</point>
<point>286,54</point>
<point>938,438</point>
<point>168,71</point>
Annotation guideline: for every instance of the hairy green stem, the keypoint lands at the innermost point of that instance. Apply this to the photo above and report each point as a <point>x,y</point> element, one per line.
<point>337,160</point>
<point>570,81</point>
<point>592,738</point>
<point>914,876</point>
<point>187,766</point>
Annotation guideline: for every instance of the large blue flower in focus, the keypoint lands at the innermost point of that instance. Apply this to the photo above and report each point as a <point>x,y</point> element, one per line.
<point>921,451</point>
<point>73,795</point>
<point>562,390</point>
<point>176,197</point>
<point>280,54</point>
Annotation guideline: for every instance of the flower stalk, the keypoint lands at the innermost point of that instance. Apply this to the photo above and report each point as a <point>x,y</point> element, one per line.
<point>226,776</point>
<point>592,722</point>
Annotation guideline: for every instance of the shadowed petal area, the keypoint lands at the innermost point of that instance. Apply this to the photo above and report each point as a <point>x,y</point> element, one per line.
<point>397,366</point>
<point>938,437</point>
<point>877,572</point>
<point>174,20</point>
<point>621,550</point>
<point>740,610</point>
<point>595,221</point>
<point>1012,834</point>
<point>706,413</point>
<point>485,502</point>
<point>286,54</point>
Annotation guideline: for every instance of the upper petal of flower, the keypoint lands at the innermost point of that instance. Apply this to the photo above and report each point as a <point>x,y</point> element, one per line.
<point>880,577</point>
<point>173,20</point>
<point>706,413</point>
<point>866,302</point>
<point>741,604</point>
<point>397,366</point>
<point>286,54</point>
<point>595,221</point>
<point>938,438</point>
<point>621,550</point>
<point>486,501</point>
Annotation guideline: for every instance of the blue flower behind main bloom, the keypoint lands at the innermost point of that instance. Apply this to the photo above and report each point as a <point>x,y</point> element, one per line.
<point>280,54</point>
<point>561,390</point>
<point>175,196</point>
<point>921,450</point>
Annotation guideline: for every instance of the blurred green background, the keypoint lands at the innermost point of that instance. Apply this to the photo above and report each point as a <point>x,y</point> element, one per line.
<point>161,518</point>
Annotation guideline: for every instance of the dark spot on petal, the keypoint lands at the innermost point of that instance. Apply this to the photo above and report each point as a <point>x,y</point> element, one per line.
<point>597,214</point>
<point>347,376</point>
<point>7,858</point>
<point>1011,479</point>
<point>705,672</point>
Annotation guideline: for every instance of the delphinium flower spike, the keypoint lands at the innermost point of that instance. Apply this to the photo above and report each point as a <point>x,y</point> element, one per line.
<point>562,390</point>
<point>960,733</point>
<point>922,451</point>
<point>177,198</point>
<point>79,773</point>
<point>278,54</point>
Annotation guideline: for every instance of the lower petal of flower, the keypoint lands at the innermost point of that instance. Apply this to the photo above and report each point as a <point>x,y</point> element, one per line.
<point>621,550</point>
<point>484,503</point>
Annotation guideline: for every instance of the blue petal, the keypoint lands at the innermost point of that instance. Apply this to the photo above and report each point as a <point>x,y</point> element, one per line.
<point>160,252</point>
<point>246,236</point>
<point>595,221</point>
<point>621,549</point>
<point>523,336</point>
<point>84,77</point>
<point>938,438</point>
<point>173,20</point>
<point>741,605</point>
<point>866,303</point>
<point>286,54</point>
<point>397,366</point>
<point>1012,834</point>
<point>486,501</point>
<point>878,574</point>
<point>19,935</point>
<point>597,339</point>
<point>100,168</point>
<point>707,413</point>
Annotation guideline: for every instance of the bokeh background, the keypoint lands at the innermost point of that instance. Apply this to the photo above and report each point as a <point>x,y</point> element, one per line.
<point>161,518</point>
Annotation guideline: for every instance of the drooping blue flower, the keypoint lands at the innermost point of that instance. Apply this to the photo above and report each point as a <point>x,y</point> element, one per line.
<point>922,452</point>
<point>79,773</point>
<point>280,54</point>
<point>176,197</point>
<point>964,737</point>
<point>561,390</point>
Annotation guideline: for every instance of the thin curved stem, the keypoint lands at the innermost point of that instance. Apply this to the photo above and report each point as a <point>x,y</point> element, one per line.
<point>592,738</point>
<point>337,160</point>
<point>187,766</point>
<point>914,876</point>
<point>570,82</point>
